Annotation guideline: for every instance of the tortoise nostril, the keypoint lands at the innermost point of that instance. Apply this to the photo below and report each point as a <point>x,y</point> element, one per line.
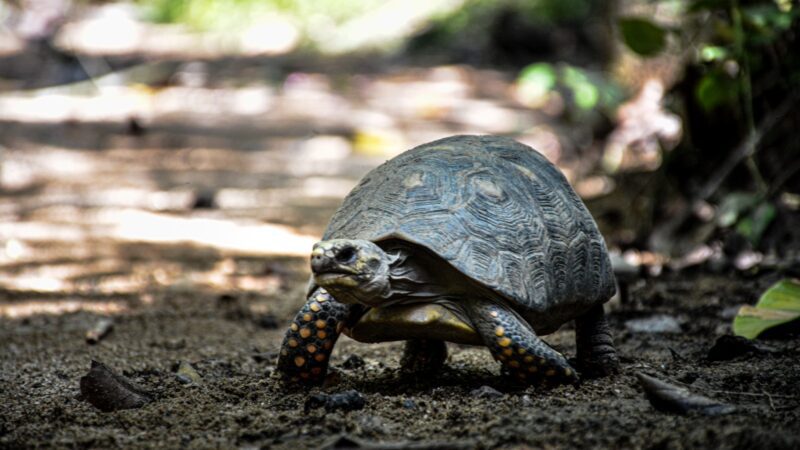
<point>346,255</point>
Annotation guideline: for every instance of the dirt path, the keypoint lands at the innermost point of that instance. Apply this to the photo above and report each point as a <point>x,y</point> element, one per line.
<point>194,240</point>
<point>238,403</point>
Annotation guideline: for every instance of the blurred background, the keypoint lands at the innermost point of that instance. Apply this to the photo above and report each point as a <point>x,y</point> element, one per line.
<point>237,126</point>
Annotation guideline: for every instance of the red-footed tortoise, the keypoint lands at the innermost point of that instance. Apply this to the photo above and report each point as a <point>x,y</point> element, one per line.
<point>469,239</point>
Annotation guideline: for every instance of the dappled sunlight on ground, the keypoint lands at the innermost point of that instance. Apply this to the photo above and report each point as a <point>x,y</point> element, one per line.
<point>167,159</point>
<point>26,309</point>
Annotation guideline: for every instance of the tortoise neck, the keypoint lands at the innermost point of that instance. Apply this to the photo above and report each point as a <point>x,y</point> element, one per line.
<point>414,274</point>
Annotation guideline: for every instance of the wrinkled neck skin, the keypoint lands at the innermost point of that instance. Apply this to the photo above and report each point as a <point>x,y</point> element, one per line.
<point>409,275</point>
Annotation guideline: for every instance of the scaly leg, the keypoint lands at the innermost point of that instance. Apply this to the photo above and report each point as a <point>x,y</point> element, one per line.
<point>513,342</point>
<point>597,356</point>
<point>310,338</point>
<point>423,356</point>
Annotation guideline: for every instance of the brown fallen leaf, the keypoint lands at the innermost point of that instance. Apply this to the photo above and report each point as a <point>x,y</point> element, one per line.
<point>108,391</point>
<point>670,398</point>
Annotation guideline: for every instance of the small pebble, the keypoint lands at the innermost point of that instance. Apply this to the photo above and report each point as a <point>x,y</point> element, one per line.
<point>659,323</point>
<point>353,362</point>
<point>526,400</point>
<point>409,404</point>
<point>729,347</point>
<point>486,392</point>
<point>187,374</point>
<point>344,401</point>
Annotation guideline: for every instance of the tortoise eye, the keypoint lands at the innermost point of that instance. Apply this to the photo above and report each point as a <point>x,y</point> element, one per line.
<point>346,255</point>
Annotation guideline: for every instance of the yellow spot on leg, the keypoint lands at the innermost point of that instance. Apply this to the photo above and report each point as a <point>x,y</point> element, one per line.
<point>514,364</point>
<point>320,324</point>
<point>521,351</point>
<point>293,326</point>
<point>508,352</point>
<point>321,298</point>
<point>299,361</point>
<point>292,342</point>
<point>567,372</point>
<point>493,314</point>
<point>550,372</point>
<point>321,334</point>
<point>320,357</point>
<point>307,317</point>
<point>499,331</point>
<point>311,348</point>
<point>504,342</point>
<point>305,332</point>
<point>315,307</point>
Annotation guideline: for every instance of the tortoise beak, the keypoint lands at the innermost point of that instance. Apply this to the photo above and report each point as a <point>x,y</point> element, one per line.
<point>332,259</point>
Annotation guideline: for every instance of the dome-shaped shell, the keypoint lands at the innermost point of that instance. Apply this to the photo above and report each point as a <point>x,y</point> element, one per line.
<point>496,210</point>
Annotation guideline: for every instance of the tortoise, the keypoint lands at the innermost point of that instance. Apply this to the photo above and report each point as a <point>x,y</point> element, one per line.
<point>468,239</point>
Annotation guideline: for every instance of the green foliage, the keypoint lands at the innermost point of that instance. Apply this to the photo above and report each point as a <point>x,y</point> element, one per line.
<point>755,224</point>
<point>643,36</point>
<point>587,90</point>
<point>748,213</point>
<point>584,92</point>
<point>780,304</point>
<point>716,89</point>
<point>538,79</point>
<point>232,14</point>
<point>473,19</point>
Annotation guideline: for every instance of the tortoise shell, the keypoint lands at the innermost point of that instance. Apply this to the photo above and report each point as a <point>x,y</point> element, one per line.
<point>496,210</point>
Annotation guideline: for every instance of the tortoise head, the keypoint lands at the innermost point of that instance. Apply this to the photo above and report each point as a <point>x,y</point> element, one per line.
<point>352,270</point>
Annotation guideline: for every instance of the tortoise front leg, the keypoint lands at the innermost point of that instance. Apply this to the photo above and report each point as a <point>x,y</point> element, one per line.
<point>597,356</point>
<point>310,338</point>
<point>514,343</point>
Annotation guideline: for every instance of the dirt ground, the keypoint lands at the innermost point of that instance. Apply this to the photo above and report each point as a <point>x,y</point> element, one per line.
<point>239,404</point>
<point>142,226</point>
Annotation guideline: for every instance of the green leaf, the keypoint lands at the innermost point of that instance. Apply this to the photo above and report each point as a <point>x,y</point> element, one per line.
<point>642,36</point>
<point>753,226</point>
<point>715,89</point>
<point>711,53</point>
<point>537,80</point>
<point>583,90</point>
<point>733,206</point>
<point>778,305</point>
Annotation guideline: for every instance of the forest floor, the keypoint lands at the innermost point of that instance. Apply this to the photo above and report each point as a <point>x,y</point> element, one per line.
<point>190,230</point>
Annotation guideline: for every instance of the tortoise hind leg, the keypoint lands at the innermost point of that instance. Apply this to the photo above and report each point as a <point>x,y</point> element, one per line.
<point>514,343</point>
<point>597,356</point>
<point>423,356</point>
